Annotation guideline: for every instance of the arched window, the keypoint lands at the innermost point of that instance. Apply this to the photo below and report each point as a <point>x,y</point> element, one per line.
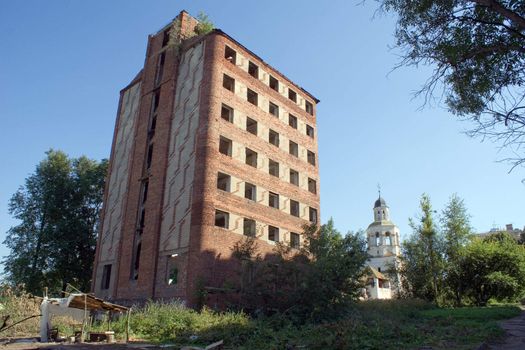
<point>378,239</point>
<point>388,239</point>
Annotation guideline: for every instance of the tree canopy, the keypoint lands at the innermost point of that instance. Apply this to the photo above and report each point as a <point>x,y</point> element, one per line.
<point>477,49</point>
<point>58,209</point>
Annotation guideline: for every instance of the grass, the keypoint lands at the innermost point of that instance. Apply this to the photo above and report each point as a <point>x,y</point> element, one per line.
<point>406,324</point>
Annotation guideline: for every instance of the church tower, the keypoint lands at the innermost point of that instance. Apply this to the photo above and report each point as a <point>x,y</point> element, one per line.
<point>383,238</point>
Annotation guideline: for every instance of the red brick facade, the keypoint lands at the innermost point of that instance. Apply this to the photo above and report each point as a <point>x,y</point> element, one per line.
<point>184,164</point>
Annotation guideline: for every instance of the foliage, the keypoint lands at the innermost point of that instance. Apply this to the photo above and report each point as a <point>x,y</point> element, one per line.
<point>58,209</point>
<point>205,24</point>
<point>393,324</point>
<point>493,268</point>
<point>477,50</point>
<point>422,257</point>
<point>314,283</point>
<point>18,305</point>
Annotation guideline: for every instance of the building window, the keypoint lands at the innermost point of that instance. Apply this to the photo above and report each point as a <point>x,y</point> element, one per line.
<point>136,262</point>
<point>295,240</point>
<point>250,191</point>
<point>152,126</point>
<point>273,168</point>
<point>225,146</point>
<point>273,233</point>
<point>249,227</point>
<point>273,200</point>
<point>149,157</point>
<point>223,182</point>
<point>145,186</point>
<point>388,239</point>
<point>165,37</point>
<point>222,219</point>
<point>160,68</point>
<point>251,158</point>
<point>230,54</point>
<point>293,149</point>
<point>378,240</point>
<point>312,215</point>
<point>312,186</point>
<point>294,208</point>
<point>142,220</point>
<point>311,157</point>
<point>274,83</point>
<point>292,121</point>
<point>273,109</point>
<point>309,131</point>
<point>273,138</point>
<point>173,276</point>
<point>106,277</point>
<point>294,177</point>
<point>228,83</point>
<point>309,108</point>
<point>155,102</point>
<point>253,70</point>
<point>251,96</point>
<point>227,113</point>
<point>292,95</point>
<point>251,126</point>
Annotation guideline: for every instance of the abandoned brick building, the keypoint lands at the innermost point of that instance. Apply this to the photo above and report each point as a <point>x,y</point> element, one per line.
<point>210,144</point>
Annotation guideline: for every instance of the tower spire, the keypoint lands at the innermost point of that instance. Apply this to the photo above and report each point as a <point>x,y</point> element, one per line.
<point>379,189</point>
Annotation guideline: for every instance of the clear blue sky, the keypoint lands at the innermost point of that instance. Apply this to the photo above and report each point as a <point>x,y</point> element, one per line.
<point>62,64</point>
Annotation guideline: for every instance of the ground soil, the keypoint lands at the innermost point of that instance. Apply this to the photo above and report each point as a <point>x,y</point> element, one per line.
<point>515,335</point>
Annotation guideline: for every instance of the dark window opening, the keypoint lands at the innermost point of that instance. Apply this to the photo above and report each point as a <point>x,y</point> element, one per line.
<point>312,213</point>
<point>228,83</point>
<point>292,95</point>
<point>145,186</point>
<point>273,168</point>
<point>273,233</point>
<point>225,146</point>
<point>149,158</point>
<point>294,208</point>
<point>274,83</point>
<point>142,220</point>
<point>166,37</point>
<point>106,277</point>
<point>294,149</point>
<point>273,138</point>
<point>227,113</point>
<point>222,219</point>
<point>292,121</point>
<point>251,126</point>
<point>173,276</point>
<point>312,186</point>
<point>309,108</point>
<point>136,262</point>
<point>223,182</point>
<point>155,102</point>
<point>273,200</point>
<point>294,177</point>
<point>251,158</point>
<point>249,227</point>
<point>295,240</point>
<point>309,131</point>
<point>273,109</point>
<point>253,70</point>
<point>152,126</point>
<point>160,68</point>
<point>230,54</point>
<point>311,157</point>
<point>250,191</point>
<point>251,96</point>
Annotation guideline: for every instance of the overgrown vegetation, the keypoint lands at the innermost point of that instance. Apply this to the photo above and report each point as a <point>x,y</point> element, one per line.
<point>395,324</point>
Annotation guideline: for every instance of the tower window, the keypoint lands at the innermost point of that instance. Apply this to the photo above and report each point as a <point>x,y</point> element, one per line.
<point>273,138</point>
<point>273,200</point>
<point>253,70</point>
<point>294,208</point>
<point>250,191</point>
<point>227,113</point>
<point>292,121</point>
<point>165,37</point>
<point>309,108</point>
<point>251,126</point>
<point>293,149</point>
<point>295,240</point>
<point>388,239</point>
<point>273,109</point>
<point>106,277</point>
<point>273,168</point>
<point>274,83</point>
<point>251,158</point>
<point>251,96</point>
<point>294,177</point>
<point>309,131</point>
<point>223,182</point>
<point>249,227</point>
<point>312,214</point>
<point>378,239</point>
<point>292,95</point>
<point>225,146</point>
<point>228,83</point>
<point>312,186</point>
<point>311,158</point>
<point>230,54</point>
<point>273,233</point>
<point>222,219</point>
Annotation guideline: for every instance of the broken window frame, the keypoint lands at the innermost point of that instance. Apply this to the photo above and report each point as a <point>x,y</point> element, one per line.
<point>228,83</point>
<point>220,216</point>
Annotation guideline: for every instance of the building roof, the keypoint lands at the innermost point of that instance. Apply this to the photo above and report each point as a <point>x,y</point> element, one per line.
<point>380,202</point>
<point>374,273</point>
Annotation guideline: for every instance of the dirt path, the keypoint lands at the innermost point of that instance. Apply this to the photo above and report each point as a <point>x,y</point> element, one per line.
<point>515,335</point>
